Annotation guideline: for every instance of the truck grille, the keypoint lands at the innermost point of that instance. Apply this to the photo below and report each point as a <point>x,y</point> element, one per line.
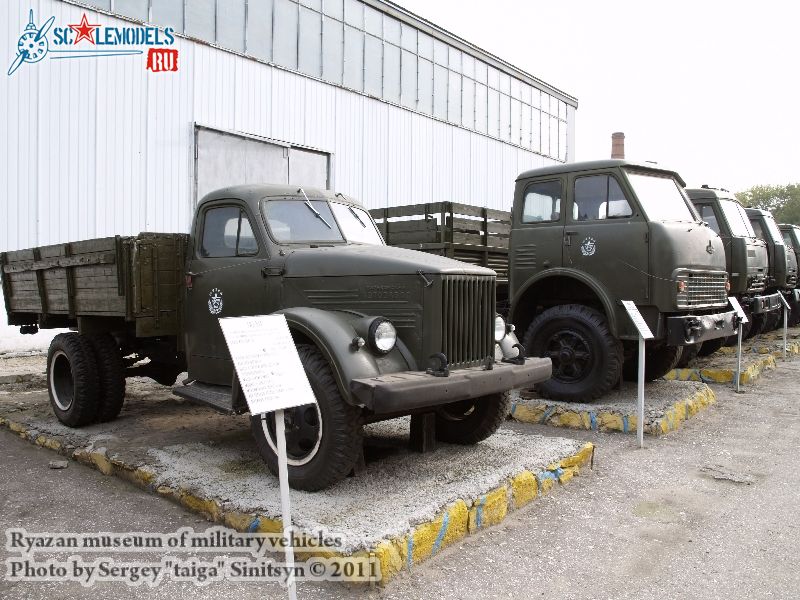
<point>757,283</point>
<point>703,289</point>
<point>468,312</point>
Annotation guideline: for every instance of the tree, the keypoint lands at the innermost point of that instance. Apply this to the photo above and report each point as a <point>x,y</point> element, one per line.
<point>782,200</point>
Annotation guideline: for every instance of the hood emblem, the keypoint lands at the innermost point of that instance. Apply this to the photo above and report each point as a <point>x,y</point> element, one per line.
<point>710,248</point>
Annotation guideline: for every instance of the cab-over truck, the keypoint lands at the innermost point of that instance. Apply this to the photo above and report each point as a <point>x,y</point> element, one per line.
<point>382,332</point>
<point>583,237</point>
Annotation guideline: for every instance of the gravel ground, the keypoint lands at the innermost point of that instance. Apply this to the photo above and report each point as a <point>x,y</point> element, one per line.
<point>707,512</point>
<point>194,448</point>
<point>659,396</point>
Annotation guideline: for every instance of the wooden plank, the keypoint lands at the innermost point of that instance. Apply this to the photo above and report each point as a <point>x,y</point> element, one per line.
<point>20,255</point>
<point>97,245</point>
<point>105,305</point>
<point>95,271</point>
<point>414,237</point>
<point>408,210</point>
<point>412,225</point>
<point>42,285</point>
<point>99,281</point>
<point>499,228</point>
<point>26,276</point>
<point>71,261</point>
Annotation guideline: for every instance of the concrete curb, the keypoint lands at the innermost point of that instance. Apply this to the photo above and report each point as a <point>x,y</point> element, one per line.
<point>457,520</point>
<point>751,370</point>
<point>23,378</point>
<point>560,415</point>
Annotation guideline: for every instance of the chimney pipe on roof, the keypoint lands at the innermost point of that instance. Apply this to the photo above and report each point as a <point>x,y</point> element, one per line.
<point>618,145</point>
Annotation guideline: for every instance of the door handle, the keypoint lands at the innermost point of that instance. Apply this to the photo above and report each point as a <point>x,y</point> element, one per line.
<point>568,237</point>
<point>267,271</point>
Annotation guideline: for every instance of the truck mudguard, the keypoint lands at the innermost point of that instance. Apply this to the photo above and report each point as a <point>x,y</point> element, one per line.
<point>335,334</point>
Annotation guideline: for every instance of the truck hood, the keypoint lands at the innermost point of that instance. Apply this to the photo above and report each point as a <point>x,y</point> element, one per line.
<point>677,245</point>
<point>354,260</point>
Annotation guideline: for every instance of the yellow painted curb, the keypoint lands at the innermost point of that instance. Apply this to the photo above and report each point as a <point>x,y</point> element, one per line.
<point>425,540</point>
<point>749,374</point>
<point>562,416</point>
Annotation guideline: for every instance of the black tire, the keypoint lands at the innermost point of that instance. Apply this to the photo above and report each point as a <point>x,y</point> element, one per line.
<point>111,374</point>
<point>323,442</point>
<point>164,374</point>
<point>72,381</point>
<point>757,328</point>
<point>688,354</point>
<point>794,314</point>
<point>659,359</point>
<point>774,319</point>
<point>587,359</point>
<point>708,348</point>
<point>472,421</point>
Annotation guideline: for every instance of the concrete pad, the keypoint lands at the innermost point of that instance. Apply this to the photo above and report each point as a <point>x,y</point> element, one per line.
<point>403,509</point>
<point>667,405</point>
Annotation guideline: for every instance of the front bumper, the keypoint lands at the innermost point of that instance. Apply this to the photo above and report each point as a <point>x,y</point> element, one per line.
<point>692,329</point>
<point>411,390</point>
<point>763,304</point>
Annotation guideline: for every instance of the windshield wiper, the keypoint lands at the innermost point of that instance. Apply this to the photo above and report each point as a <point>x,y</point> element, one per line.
<point>355,214</point>
<point>314,210</point>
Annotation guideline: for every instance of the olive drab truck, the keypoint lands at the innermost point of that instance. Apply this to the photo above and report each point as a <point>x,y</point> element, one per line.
<point>791,237</point>
<point>782,273</point>
<point>586,236</point>
<point>382,332</point>
<point>746,257</point>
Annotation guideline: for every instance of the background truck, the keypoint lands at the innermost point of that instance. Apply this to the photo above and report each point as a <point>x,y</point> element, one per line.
<point>584,237</point>
<point>782,274</point>
<point>791,237</point>
<point>745,256</point>
<point>382,332</point>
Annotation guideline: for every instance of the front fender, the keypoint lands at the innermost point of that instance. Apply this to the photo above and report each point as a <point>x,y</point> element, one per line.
<point>594,285</point>
<point>333,333</point>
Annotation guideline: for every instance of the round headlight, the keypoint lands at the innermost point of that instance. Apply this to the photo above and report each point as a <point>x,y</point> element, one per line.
<point>382,336</point>
<point>499,329</point>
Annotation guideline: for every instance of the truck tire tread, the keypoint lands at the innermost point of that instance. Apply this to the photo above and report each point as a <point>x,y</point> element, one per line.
<point>86,386</point>
<point>111,374</point>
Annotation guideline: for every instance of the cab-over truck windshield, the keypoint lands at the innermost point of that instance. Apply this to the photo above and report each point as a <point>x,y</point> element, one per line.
<point>660,196</point>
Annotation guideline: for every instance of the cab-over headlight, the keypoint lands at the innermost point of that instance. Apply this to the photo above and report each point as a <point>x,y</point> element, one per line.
<point>382,336</point>
<point>499,329</point>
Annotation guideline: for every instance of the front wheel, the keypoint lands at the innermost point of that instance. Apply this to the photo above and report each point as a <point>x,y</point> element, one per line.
<point>323,441</point>
<point>471,421</point>
<point>708,347</point>
<point>586,358</point>
<point>688,354</point>
<point>659,359</point>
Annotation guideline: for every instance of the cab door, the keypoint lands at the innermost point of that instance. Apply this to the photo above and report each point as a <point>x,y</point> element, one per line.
<point>226,277</point>
<point>606,237</point>
<point>538,230</point>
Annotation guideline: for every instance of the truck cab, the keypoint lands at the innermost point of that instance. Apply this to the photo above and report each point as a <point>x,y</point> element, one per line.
<point>746,255</point>
<point>586,236</point>
<point>791,237</point>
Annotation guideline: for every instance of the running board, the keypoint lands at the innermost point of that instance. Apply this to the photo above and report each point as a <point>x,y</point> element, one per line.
<point>218,397</point>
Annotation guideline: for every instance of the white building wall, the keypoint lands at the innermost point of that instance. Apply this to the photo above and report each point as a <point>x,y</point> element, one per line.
<point>98,147</point>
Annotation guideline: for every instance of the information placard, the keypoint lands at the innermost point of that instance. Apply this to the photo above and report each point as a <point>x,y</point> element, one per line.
<point>785,303</point>
<point>738,308</point>
<point>267,364</point>
<point>638,320</point>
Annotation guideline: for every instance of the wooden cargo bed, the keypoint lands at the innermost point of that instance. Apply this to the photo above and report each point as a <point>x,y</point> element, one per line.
<point>136,280</point>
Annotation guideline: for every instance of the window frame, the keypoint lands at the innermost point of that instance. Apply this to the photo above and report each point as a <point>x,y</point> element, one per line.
<point>243,211</point>
<point>625,193</point>
<point>528,185</point>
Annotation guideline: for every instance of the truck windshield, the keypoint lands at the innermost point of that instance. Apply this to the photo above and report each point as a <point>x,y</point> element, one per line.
<point>773,229</point>
<point>660,197</point>
<point>293,221</point>
<point>357,226</point>
<point>737,219</point>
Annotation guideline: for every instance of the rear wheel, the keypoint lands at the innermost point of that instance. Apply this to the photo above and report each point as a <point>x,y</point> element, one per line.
<point>72,381</point>
<point>659,359</point>
<point>758,327</point>
<point>111,376</point>
<point>472,421</point>
<point>708,348</point>
<point>323,441</point>
<point>586,358</point>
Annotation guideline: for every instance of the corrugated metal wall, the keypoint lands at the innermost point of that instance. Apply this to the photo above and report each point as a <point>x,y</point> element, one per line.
<point>100,146</point>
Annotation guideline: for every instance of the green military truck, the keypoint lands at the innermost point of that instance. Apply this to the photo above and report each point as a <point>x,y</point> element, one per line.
<point>586,236</point>
<point>782,275</point>
<point>382,332</point>
<point>791,238</point>
<point>745,256</point>
<point>582,238</point>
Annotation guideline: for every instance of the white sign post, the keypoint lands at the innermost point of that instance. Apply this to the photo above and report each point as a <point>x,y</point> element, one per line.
<point>644,334</point>
<point>786,309</point>
<point>742,320</point>
<point>272,378</point>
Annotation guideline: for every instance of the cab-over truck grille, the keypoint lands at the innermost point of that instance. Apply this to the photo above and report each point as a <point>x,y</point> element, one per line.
<point>468,312</point>
<point>703,289</point>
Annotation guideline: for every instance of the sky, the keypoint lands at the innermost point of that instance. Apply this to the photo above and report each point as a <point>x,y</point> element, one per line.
<point>707,88</point>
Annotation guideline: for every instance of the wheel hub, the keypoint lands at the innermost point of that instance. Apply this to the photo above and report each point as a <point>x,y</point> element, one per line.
<point>303,429</point>
<point>571,355</point>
